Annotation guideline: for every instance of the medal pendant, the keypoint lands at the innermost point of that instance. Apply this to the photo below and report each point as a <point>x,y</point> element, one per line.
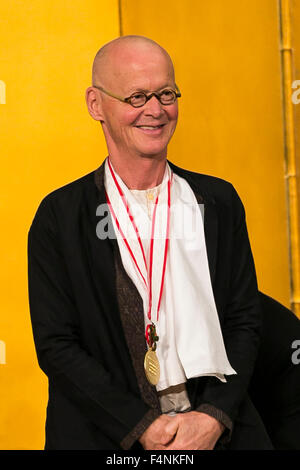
<point>151,366</point>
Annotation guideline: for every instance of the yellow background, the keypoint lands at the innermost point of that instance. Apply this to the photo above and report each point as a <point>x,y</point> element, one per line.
<point>227,59</point>
<point>47,139</point>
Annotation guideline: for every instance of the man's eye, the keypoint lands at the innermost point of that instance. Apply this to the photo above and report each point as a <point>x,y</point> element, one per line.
<point>167,93</point>
<point>167,97</point>
<point>138,96</point>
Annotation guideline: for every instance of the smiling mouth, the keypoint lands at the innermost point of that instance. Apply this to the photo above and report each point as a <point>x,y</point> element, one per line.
<point>150,128</point>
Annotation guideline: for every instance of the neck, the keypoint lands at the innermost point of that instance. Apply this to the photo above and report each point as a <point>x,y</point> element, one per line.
<point>141,172</point>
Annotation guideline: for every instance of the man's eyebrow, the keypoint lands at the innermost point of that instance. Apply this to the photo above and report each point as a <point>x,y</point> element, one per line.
<point>146,90</point>
<point>137,89</point>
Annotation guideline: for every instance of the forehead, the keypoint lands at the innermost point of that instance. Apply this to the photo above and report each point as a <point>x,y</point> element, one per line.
<point>141,68</point>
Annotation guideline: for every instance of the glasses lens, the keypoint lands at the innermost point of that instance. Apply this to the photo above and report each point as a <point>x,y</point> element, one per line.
<point>137,100</point>
<point>167,96</point>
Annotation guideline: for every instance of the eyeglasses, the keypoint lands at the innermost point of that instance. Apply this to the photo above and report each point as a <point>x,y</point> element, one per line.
<point>139,98</point>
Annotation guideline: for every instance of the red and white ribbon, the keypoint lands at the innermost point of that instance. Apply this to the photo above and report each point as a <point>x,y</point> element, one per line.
<point>148,265</point>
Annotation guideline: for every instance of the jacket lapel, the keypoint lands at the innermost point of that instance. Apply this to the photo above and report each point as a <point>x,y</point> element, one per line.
<point>211,236</point>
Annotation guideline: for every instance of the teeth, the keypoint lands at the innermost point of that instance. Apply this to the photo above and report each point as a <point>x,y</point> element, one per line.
<point>149,127</point>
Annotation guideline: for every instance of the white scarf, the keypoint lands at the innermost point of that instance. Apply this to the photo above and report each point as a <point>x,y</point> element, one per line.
<point>190,338</point>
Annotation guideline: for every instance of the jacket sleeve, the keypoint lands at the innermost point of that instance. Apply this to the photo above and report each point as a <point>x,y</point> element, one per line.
<point>109,405</point>
<point>242,318</point>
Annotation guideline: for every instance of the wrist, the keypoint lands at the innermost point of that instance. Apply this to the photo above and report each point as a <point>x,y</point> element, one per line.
<point>215,424</point>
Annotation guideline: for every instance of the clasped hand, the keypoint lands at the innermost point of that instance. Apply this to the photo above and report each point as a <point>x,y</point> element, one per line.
<point>185,431</point>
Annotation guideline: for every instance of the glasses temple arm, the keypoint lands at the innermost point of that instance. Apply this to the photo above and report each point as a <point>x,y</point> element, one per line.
<point>111,94</point>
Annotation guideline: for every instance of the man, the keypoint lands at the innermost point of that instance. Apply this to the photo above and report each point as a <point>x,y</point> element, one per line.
<point>147,340</point>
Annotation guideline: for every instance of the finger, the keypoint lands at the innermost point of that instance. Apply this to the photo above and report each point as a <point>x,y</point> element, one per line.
<point>172,426</point>
<point>168,433</point>
<point>166,438</point>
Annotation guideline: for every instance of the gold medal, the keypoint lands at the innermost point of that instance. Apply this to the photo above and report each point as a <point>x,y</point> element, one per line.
<point>151,366</point>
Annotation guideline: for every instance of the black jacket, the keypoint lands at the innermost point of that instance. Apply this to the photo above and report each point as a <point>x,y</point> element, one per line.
<point>88,321</point>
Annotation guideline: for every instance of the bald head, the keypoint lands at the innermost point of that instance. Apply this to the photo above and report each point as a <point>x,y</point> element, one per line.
<point>123,51</point>
<point>128,67</point>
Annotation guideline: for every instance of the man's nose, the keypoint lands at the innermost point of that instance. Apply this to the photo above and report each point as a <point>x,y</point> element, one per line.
<point>153,107</point>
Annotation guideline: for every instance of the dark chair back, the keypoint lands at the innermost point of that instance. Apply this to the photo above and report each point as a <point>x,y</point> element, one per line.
<point>275,385</point>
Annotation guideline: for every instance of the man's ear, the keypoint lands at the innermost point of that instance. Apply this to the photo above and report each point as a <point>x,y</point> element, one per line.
<point>93,101</point>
